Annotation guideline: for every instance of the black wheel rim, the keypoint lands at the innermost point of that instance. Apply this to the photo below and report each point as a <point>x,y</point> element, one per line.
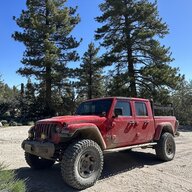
<point>87,164</point>
<point>170,148</point>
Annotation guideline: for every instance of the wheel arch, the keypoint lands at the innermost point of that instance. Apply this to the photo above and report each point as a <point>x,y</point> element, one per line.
<point>92,133</point>
<point>162,128</point>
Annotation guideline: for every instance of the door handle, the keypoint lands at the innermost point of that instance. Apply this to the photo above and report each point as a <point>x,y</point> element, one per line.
<point>146,122</point>
<point>133,123</point>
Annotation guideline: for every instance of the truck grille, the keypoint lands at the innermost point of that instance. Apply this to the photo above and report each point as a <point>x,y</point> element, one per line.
<point>46,129</point>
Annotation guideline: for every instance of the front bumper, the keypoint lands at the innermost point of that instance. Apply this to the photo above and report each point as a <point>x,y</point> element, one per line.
<point>44,150</point>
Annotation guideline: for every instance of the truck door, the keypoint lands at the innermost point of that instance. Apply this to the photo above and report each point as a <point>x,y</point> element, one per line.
<point>144,122</point>
<point>123,128</point>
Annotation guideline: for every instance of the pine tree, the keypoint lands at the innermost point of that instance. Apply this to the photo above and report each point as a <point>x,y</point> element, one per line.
<point>90,75</point>
<point>64,99</point>
<point>131,32</point>
<point>28,104</point>
<point>47,25</point>
<point>117,86</point>
<point>8,101</point>
<point>182,102</point>
<point>1,89</point>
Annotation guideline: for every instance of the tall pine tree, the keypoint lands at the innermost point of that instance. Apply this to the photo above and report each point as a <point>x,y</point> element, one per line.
<point>90,84</point>
<point>27,102</point>
<point>47,25</point>
<point>8,98</point>
<point>131,34</point>
<point>182,102</point>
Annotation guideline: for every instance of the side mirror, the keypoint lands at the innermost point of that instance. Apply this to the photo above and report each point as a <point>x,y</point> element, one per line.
<point>103,114</point>
<point>118,112</point>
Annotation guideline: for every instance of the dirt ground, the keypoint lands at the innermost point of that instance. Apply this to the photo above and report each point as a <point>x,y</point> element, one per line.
<point>138,170</point>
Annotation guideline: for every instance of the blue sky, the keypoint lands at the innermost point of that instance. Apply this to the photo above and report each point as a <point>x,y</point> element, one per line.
<point>177,14</point>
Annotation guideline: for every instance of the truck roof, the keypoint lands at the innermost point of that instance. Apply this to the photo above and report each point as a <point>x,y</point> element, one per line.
<point>123,98</point>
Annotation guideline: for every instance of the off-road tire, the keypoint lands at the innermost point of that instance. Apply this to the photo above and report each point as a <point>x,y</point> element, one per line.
<point>165,149</point>
<point>82,164</point>
<point>36,162</point>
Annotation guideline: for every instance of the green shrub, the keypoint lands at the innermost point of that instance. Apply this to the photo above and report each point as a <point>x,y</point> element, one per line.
<point>4,122</point>
<point>13,123</point>
<point>31,123</point>
<point>9,182</point>
<point>19,124</point>
<point>6,125</point>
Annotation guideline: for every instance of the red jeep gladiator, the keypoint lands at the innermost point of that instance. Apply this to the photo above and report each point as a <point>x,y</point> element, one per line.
<point>102,125</point>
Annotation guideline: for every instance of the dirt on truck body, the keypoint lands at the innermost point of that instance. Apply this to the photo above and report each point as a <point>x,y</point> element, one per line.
<point>99,126</point>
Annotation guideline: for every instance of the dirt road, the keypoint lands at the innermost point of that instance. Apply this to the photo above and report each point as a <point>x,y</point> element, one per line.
<point>135,171</point>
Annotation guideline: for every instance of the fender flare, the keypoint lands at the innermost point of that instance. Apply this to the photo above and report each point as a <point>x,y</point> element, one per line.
<point>90,131</point>
<point>163,127</point>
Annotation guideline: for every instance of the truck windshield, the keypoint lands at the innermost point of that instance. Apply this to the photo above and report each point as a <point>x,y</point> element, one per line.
<point>97,107</point>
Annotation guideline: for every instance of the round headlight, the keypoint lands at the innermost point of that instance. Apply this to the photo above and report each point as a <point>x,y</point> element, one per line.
<point>58,129</point>
<point>31,132</point>
<point>43,136</point>
<point>30,135</point>
<point>65,128</point>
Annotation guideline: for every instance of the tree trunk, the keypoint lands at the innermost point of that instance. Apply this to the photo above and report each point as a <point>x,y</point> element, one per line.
<point>130,61</point>
<point>131,74</point>
<point>48,100</point>
<point>90,83</point>
<point>48,83</point>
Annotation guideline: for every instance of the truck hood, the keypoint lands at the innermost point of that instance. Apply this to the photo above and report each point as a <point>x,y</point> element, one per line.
<point>75,119</point>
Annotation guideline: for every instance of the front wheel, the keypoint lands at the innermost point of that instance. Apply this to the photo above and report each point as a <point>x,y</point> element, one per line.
<point>82,164</point>
<point>36,162</point>
<point>165,149</point>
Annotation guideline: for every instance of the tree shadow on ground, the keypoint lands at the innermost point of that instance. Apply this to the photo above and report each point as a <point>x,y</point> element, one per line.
<point>185,128</point>
<point>115,163</point>
<point>119,162</point>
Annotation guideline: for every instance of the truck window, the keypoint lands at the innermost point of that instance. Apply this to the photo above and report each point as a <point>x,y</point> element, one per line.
<point>96,107</point>
<point>125,106</point>
<point>141,109</point>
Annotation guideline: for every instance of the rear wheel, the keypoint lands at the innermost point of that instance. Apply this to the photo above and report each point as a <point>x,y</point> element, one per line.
<point>82,164</point>
<point>165,149</point>
<point>36,162</point>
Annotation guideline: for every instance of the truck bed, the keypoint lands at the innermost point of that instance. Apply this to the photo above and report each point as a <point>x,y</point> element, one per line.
<point>159,120</point>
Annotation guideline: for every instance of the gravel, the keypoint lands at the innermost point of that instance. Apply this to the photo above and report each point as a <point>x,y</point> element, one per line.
<point>134,171</point>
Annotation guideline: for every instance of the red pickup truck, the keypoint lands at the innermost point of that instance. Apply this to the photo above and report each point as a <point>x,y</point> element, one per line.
<point>102,125</point>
